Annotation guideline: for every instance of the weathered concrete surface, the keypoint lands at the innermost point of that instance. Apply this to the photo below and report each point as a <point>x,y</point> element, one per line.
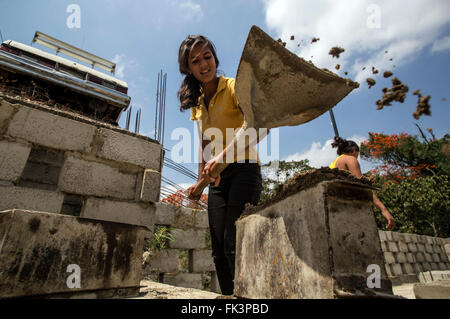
<point>186,280</point>
<point>13,197</point>
<point>275,87</point>
<point>156,290</point>
<point>316,243</point>
<point>141,214</point>
<point>13,157</point>
<point>47,129</point>
<point>433,290</point>
<point>36,249</point>
<point>188,239</point>
<point>82,177</point>
<point>130,149</point>
<point>151,185</point>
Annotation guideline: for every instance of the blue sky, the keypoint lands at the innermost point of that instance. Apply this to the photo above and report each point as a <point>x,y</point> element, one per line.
<point>143,37</point>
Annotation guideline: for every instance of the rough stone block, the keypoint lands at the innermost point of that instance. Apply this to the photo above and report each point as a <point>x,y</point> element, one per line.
<point>165,214</point>
<point>389,258</point>
<point>415,238</point>
<point>12,197</point>
<point>383,246</point>
<point>125,148</point>
<point>387,267</point>
<point>283,250</point>
<point>436,258</point>
<point>421,247</point>
<point>201,219</point>
<point>442,266</point>
<point>412,247</point>
<point>447,249</point>
<point>396,236</point>
<point>417,268</point>
<point>437,248</point>
<point>165,261</point>
<point>408,237</point>
<point>13,157</point>
<point>389,236</point>
<point>400,257</point>
<point>434,266</point>
<point>133,213</point>
<point>188,239</point>
<point>96,179</point>
<point>396,269</point>
<point>430,240</point>
<point>402,246</point>
<point>425,276</point>
<point>151,185</point>
<point>434,290</point>
<point>200,261</point>
<point>47,129</point>
<point>426,266</point>
<point>184,280</point>
<point>38,247</point>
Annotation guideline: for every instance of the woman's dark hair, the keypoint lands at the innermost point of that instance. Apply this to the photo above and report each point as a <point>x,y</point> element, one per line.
<point>344,146</point>
<point>189,91</point>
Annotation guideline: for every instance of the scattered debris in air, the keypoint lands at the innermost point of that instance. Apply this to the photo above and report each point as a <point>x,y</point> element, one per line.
<point>315,40</point>
<point>387,74</point>
<point>396,93</point>
<point>336,51</point>
<point>337,67</point>
<point>371,82</point>
<point>292,37</point>
<point>423,106</point>
<point>374,71</point>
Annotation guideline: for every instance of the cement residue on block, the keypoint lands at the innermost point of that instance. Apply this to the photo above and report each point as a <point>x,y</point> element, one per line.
<point>308,179</point>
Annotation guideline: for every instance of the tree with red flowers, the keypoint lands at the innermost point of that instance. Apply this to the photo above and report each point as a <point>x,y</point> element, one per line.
<point>180,198</point>
<point>413,176</point>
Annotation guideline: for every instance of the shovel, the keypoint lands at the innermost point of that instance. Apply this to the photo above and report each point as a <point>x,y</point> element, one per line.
<point>277,88</point>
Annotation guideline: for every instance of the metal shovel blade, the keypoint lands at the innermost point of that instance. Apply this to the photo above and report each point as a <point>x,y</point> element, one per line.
<point>275,87</point>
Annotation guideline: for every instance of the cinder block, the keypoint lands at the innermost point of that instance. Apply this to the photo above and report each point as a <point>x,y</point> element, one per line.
<point>383,246</point>
<point>388,235</point>
<point>51,130</point>
<point>429,249</point>
<point>184,218</point>
<point>412,247</point>
<point>430,240</point>
<point>151,185</point>
<point>410,258</point>
<point>12,197</point>
<point>415,238</point>
<point>396,269</point>
<point>437,248</point>
<point>392,246</point>
<point>389,258</point>
<point>382,235</point>
<point>133,213</point>
<point>201,219</point>
<point>420,257</point>
<point>188,239</point>
<point>13,157</point>
<point>421,247</point>
<point>140,151</point>
<point>165,214</point>
<point>388,270</point>
<point>38,247</point>
<point>400,257</point>
<point>442,266</point>
<point>434,266</point>
<point>200,261</point>
<point>402,246</point>
<point>408,237</point>
<point>183,280</point>
<point>447,249</point>
<point>165,261</point>
<point>417,268</point>
<point>428,257</point>
<point>425,277</point>
<point>96,179</point>
<point>396,236</point>
<point>408,269</point>
<point>436,258</point>
<point>426,266</point>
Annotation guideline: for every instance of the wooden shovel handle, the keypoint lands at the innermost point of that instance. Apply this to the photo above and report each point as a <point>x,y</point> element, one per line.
<point>215,171</point>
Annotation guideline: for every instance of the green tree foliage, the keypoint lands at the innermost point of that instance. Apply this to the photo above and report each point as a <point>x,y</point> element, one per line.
<point>413,175</point>
<point>276,173</point>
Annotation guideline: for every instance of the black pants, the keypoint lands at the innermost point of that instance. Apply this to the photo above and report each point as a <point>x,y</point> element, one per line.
<point>240,183</point>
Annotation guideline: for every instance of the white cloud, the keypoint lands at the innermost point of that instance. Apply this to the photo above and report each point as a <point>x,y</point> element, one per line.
<point>441,44</point>
<point>124,65</point>
<point>405,28</point>
<point>323,154</point>
<point>189,9</point>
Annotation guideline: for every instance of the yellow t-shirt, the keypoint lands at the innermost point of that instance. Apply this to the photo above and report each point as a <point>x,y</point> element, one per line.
<point>333,164</point>
<point>223,113</point>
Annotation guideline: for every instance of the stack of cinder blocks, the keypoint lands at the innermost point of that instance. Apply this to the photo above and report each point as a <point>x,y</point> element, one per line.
<point>408,255</point>
<point>188,260</point>
<point>59,162</point>
<point>73,192</point>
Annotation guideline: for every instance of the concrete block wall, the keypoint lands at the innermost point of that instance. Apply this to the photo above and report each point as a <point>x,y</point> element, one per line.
<point>408,256</point>
<point>188,260</point>
<point>61,162</point>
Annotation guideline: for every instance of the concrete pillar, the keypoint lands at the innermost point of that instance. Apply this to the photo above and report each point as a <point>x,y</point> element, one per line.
<point>315,243</point>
